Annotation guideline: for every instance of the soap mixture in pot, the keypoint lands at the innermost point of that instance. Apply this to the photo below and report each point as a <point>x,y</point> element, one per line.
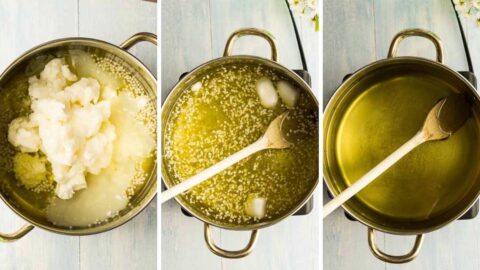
<point>83,139</point>
<point>68,124</point>
<point>224,111</point>
<point>431,179</point>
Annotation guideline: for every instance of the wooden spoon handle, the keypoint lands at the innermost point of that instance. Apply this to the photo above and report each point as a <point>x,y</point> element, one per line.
<point>373,174</point>
<point>213,170</point>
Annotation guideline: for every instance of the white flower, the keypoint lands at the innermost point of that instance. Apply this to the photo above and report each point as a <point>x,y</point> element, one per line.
<point>476,4</point>
<point>468,8</point>
<point>306,8</point>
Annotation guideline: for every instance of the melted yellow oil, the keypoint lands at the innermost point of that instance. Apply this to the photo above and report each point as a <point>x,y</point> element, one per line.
<point>225,115</point>
<point>429,180</point>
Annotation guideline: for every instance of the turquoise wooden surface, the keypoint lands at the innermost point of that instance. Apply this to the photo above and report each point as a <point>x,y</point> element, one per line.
<point>357,33</point>
<point>194,32</point>
<point>24,24</point>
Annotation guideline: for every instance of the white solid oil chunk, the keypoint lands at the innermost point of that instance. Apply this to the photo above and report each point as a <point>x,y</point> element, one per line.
<point>196,86</point>
<point>22,133</point>
<point>83,92</point>
<point>66,125</point>
<point>255,207</point>
<point>267,93</point>
<point>288,93</point>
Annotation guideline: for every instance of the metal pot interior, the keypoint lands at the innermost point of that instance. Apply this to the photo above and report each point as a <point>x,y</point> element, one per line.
<point>31,63</point>
<point>373,113</point>
<point>177,92</point>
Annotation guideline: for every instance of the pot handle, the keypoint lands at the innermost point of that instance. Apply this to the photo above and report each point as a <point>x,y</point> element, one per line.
<point>252,32</point>
<point>394,258</point>
<point>137,38</point>
<point>416,32</point>
<point>235,254</point>
<point>11,237</point>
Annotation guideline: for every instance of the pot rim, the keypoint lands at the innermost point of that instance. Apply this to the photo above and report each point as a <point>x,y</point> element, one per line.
<point>291,75</point>
<point>134,211</point>
<point>328,107</point>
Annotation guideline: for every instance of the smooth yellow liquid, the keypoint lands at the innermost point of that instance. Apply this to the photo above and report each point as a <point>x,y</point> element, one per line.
<point>430,179</point>
<point>224,116</point>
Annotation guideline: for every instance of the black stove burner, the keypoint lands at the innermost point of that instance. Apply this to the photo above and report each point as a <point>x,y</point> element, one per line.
<point>473,211</point>
<point>308,206</point>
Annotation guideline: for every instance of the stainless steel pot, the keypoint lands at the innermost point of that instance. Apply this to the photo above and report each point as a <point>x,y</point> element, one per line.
<point>177,92</point>
<point>121,55</point>
<point>364,208</point>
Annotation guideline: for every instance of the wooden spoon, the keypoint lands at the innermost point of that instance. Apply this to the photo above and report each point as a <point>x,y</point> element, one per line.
<point>446,117</point>
<point>272,139</point>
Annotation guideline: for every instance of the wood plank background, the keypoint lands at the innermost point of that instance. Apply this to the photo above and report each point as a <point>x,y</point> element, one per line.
<point>356,33</point>
<point>193,32</point>
<point>24,24</point>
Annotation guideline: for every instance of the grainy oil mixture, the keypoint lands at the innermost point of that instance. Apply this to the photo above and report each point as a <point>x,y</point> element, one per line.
<point>224,115</point>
